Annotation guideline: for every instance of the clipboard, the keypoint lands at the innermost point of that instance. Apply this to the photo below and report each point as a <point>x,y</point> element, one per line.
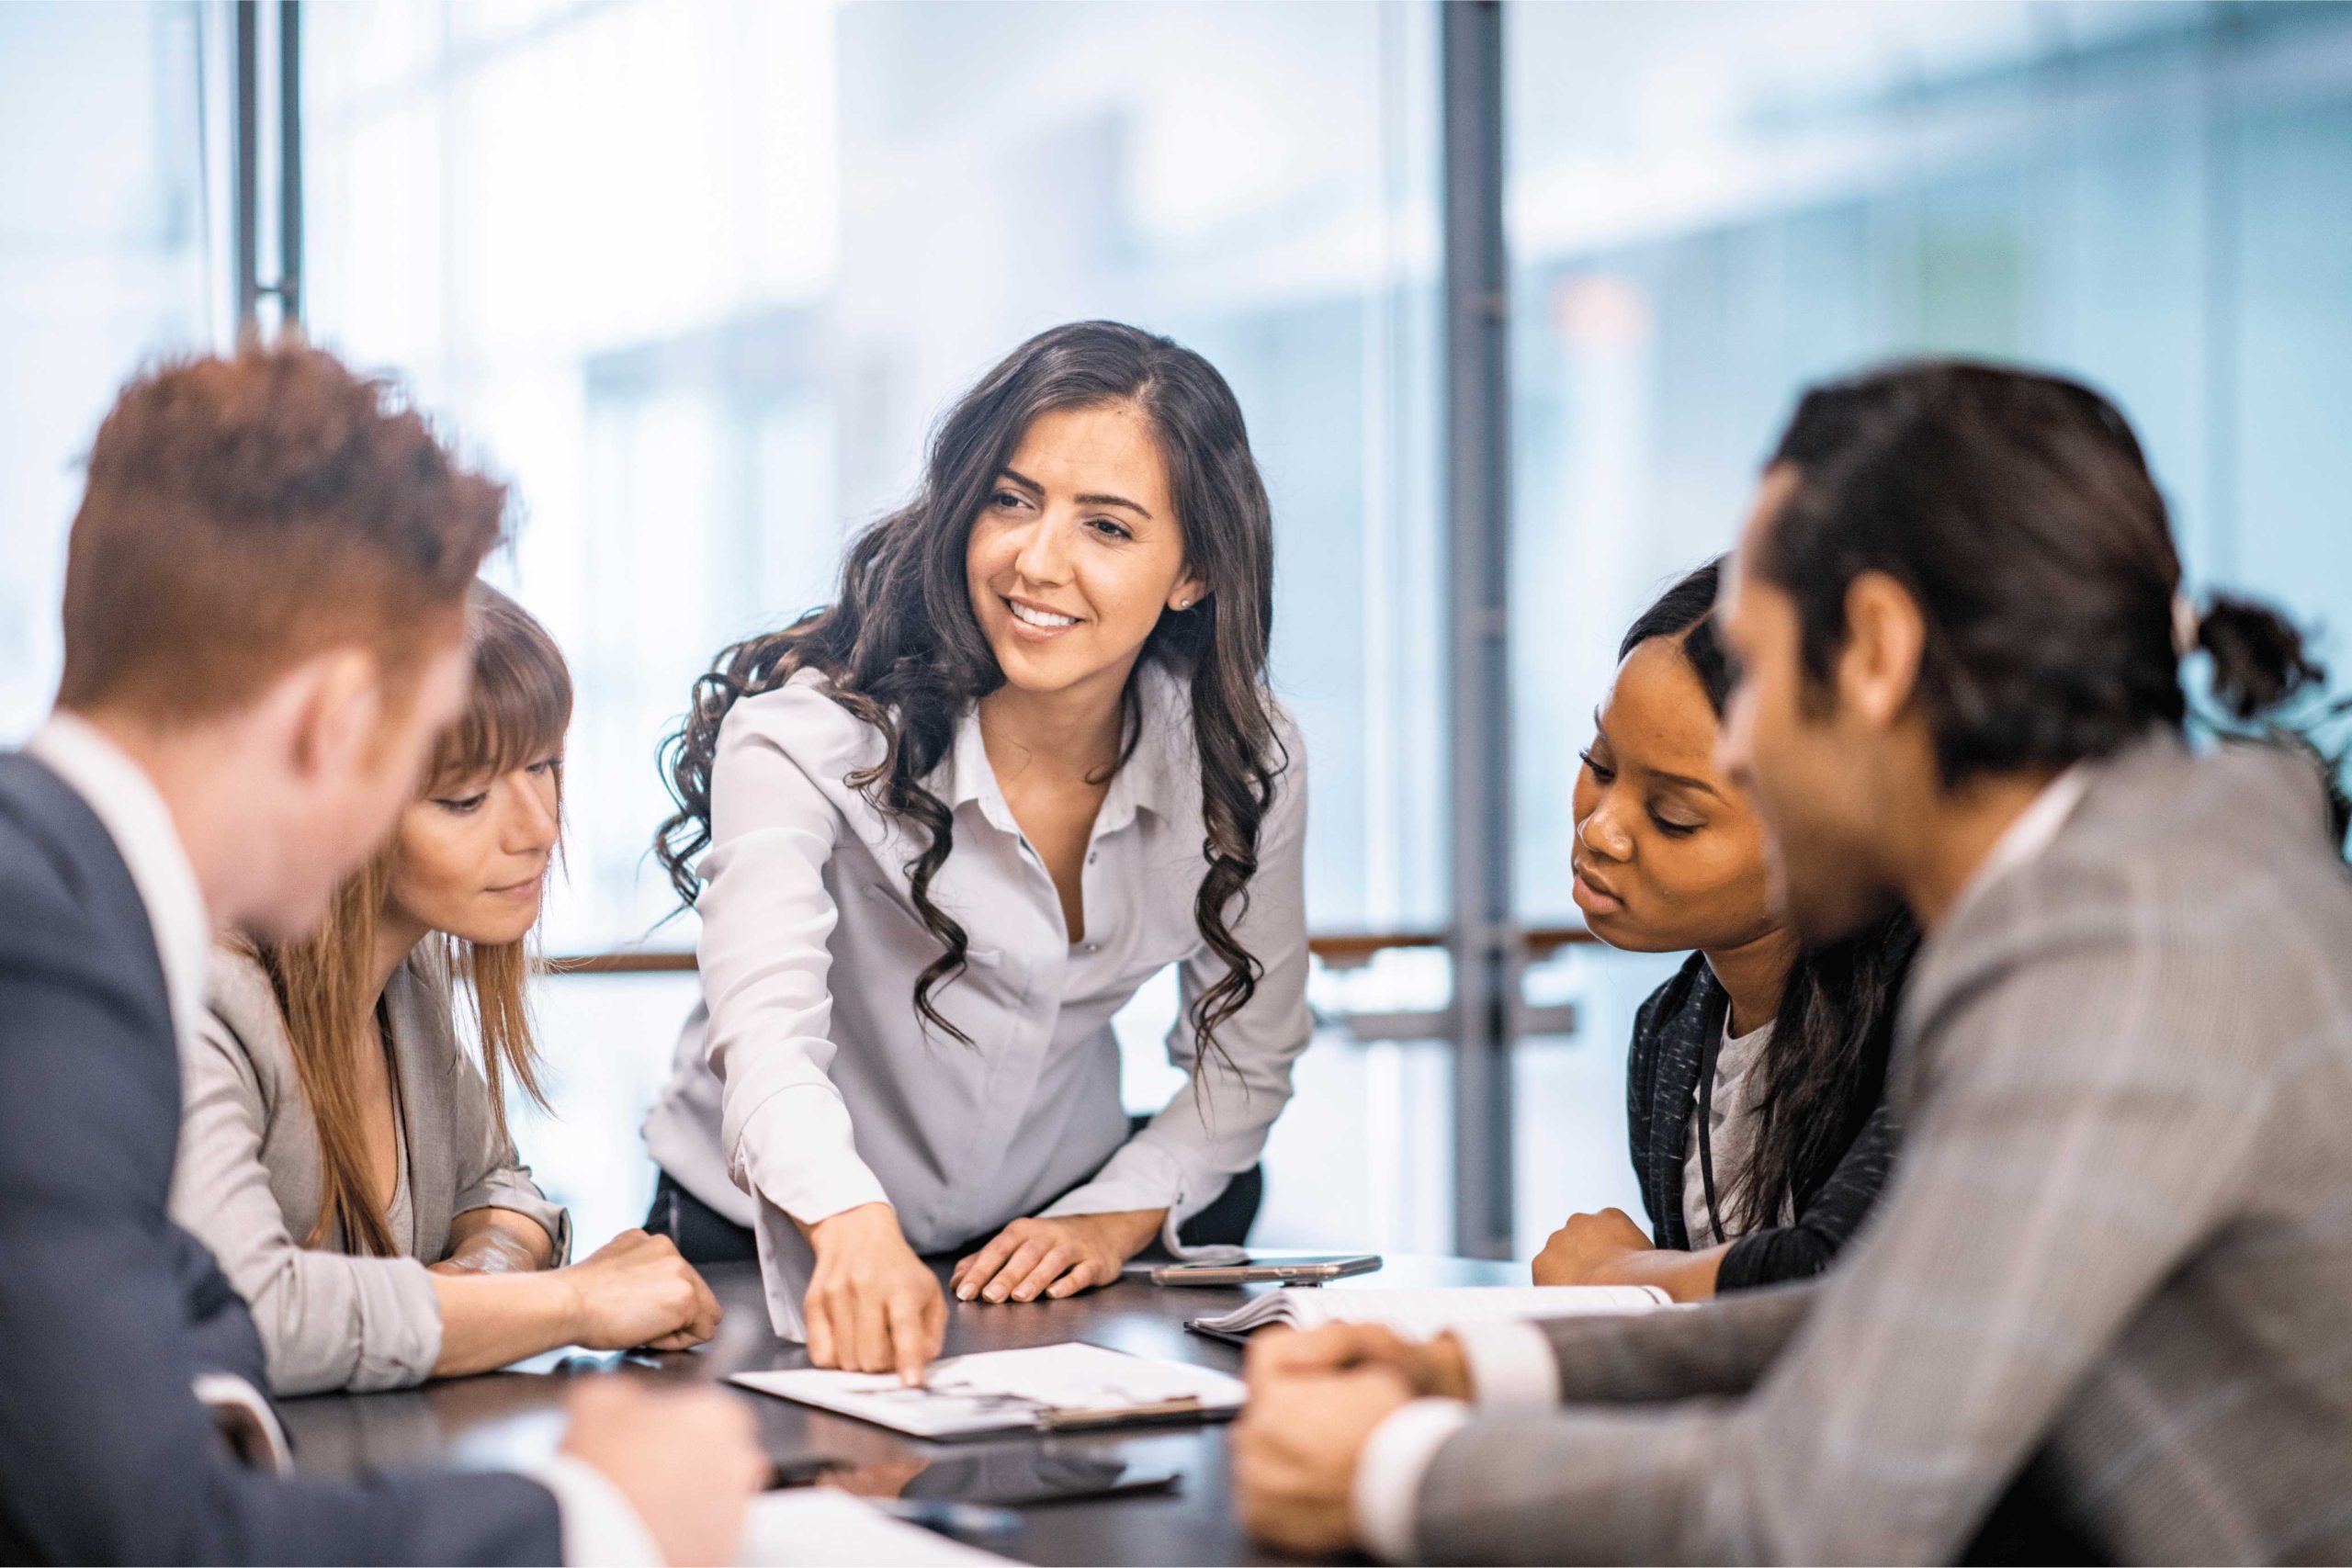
<point>1071,1387</point>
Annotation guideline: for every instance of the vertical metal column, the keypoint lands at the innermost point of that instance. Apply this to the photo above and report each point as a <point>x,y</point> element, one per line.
<point>246,240</point>
<point>286,18</point>
<point>289,160</point>
<point>1485,938</point>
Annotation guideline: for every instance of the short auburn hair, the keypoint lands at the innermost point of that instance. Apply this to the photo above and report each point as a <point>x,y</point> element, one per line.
<point>245,511</point>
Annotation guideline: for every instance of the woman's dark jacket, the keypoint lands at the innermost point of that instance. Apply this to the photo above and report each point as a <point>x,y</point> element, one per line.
<point>1674,1036</point>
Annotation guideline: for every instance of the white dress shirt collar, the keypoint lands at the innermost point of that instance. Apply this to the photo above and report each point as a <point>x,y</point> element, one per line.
<point>2024,840</point>
<point>119,793</point>
<point>971,779</point>
<point>1147,781</point>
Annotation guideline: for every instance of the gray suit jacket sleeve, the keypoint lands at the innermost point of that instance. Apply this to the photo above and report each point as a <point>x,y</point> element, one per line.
<point>2040,1202</point>
<point>328,1319</point>
<point>1723,1347</point>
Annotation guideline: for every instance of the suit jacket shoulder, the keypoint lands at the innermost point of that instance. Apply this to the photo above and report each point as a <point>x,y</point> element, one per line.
<point>2210,875</point>
<point>73,910</point>
<point>110,1312</point>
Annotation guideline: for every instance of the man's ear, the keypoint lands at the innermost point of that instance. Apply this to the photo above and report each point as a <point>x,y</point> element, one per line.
<point>1878,670</point>
<point>326,712</point>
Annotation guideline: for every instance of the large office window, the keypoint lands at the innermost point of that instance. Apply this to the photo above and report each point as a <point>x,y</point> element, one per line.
<point>700,278</point>
<point>1712,205</point>
<point>105,260</point>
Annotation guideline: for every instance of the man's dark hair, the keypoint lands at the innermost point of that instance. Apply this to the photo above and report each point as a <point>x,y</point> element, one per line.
<point>2018,512</point>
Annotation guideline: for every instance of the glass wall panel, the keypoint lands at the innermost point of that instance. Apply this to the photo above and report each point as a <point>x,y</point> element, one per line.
<point>701,277</point>
<point>1711,206</point>
<point>103,261</point>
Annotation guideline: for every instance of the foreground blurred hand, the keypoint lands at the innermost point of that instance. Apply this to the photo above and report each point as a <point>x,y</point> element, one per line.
<point>1296,1449</point>
<point>1432,1370</point>
<point>873,1305</point>
<point>685,1459</point>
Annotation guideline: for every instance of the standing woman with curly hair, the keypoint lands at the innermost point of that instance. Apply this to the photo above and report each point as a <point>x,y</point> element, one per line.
<point>941,830</point>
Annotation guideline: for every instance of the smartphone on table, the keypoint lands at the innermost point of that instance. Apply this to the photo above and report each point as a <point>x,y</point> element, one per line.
<point>1301,1269</point>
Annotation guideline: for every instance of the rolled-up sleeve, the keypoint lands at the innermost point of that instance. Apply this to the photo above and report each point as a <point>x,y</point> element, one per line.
<point>490,1175</point>
<point>327,1320</point>
<point>1216,1126</point>
<point>766,917</point>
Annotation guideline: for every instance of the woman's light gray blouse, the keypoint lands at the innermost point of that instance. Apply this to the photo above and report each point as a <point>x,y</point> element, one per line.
<point>807,1079</point>
<point>250,1183</point>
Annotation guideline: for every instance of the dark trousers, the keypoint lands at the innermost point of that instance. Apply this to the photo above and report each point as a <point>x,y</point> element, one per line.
<point>705,1236</point>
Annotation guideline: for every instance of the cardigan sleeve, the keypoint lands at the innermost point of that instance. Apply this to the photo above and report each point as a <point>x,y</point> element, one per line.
<point>490,1174</point>
<point>327,1320</point>
<point>1801,1250</point>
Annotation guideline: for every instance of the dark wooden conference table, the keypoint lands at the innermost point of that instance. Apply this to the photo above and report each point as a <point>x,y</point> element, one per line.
<point>514,1417</point>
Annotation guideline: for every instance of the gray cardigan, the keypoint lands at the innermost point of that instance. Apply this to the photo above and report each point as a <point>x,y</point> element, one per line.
<point>249,1183</point>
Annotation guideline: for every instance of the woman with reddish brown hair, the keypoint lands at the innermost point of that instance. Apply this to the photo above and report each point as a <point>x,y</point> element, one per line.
<point>342,1154</point>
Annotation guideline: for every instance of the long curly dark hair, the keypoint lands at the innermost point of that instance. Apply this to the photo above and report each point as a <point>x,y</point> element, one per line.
<point>902,650</point>
<point>1824,1065</point>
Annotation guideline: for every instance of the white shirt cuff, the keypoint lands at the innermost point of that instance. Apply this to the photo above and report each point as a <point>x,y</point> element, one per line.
<point>245,1420</point>
<point>1511,1363</point>
<point>1389,1471</point>
<point>598,1524</point>
<point>1137,1176</point>
<point>1143,1176</point>
<point>797,1152</point>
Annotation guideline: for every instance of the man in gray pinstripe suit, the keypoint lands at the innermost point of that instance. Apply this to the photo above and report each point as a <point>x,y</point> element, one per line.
<point>2105,1305</point>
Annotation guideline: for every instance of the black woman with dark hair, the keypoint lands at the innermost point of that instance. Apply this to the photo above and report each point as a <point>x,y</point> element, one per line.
<point>941,830</point>
<point>1753,1087</point>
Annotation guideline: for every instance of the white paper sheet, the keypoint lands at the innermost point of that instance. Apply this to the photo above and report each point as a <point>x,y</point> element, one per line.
<point>998,1390</point>
<point>816,1524</point>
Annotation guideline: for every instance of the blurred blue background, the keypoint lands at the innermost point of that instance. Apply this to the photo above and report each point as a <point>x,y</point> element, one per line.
<point>698,275</point>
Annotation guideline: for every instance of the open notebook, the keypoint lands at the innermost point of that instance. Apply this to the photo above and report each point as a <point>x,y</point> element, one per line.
<point>1424,1314</point>
<point>1049,1388</point>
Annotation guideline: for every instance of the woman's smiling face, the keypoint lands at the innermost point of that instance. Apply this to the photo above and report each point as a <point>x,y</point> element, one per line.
<point>1670,854</point>
<point>1078,552</point>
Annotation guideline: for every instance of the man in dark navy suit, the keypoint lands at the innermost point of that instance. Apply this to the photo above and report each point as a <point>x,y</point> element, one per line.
<point>265,621</point>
